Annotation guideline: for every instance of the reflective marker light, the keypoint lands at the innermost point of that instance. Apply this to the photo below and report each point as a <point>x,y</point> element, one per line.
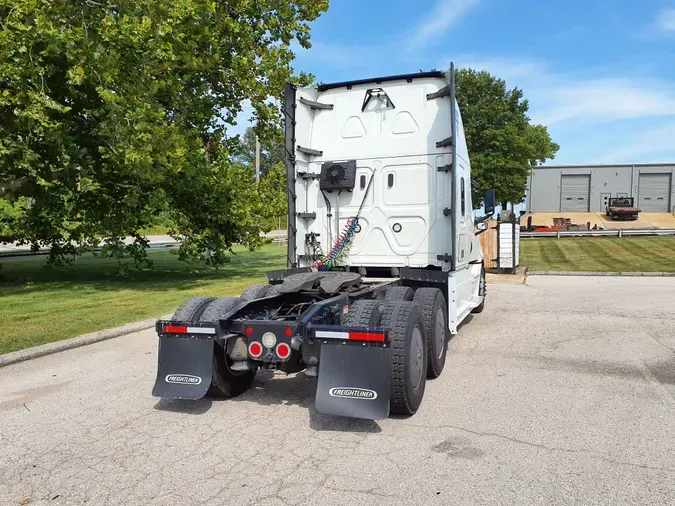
<point>269,339</point>
<point>283,351</point>
<point>179,329</point>
<point>255,349</point>
<point>249,331</point>
<point>289,332</point>
<point>350,336</point>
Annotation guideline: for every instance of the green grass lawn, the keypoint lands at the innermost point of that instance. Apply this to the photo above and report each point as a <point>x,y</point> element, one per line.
<point>599,254</point>
<point>39,305</point>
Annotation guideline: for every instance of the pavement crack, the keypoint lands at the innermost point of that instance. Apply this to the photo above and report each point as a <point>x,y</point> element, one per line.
<point>591,454</point>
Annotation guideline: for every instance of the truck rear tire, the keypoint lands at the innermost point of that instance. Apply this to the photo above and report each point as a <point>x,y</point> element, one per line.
<point>192,309</point>
<point>224,381</point>
<point>408,368</point>
<point>220,309</point>
<point>435,313</point>
<point>399,293</point>
<point>258,292</point>
<point>364,312</point>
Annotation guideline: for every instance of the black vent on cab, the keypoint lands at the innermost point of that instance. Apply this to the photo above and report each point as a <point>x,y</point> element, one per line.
<point>338,175</point>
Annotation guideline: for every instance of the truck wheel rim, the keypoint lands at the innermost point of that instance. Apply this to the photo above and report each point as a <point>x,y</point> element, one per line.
<point>416,358</point>
<point>440,332</point>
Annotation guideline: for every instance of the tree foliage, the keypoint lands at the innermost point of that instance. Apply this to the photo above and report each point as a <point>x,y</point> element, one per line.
<point>113,111</point>
<point>503,144</point>
<point>271,150</point>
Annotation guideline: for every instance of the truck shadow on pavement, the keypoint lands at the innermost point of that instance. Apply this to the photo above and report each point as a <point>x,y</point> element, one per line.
<point>661,371</point>
<point>188,407</point>
<point>277,389</point>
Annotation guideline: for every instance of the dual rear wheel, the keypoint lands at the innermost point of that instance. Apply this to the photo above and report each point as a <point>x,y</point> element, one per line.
<point>418,323</point>
<point>419,331</point>
<point>224,381</point>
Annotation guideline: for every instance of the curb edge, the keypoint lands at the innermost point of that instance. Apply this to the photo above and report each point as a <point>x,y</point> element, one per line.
<point>76,342</point>
<point>606,274</point>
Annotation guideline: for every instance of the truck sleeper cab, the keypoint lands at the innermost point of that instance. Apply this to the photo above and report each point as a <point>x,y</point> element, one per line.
<point>382,255</point>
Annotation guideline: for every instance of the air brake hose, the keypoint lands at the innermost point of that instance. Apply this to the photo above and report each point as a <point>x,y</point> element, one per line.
<point>341,246</point>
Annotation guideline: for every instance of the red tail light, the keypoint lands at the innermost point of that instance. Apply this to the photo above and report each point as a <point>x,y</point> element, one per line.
<point>283,351</point>
<point>255,349</point>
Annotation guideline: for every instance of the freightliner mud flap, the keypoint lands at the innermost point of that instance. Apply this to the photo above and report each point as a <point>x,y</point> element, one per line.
<point>354,380</point>
<point>184,368</point>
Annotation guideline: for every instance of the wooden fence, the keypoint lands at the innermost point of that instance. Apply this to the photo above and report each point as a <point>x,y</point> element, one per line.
<point>489,243</point>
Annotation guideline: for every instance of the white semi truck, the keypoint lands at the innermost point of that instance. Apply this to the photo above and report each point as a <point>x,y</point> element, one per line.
<point>383,262</point>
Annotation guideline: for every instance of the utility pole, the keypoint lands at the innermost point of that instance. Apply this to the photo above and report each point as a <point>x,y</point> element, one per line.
<point>257,159</point>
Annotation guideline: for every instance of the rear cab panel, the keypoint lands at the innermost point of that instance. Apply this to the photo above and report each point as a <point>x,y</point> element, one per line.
<point>395,138</point>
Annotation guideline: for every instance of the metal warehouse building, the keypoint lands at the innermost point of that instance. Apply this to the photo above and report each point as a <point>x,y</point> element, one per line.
<point>586,188</point>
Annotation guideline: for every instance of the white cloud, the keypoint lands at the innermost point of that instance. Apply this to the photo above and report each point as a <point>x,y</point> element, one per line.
<point>509,69</point>
<point>442,17</point>
<point>557,98</point>
<point>608,99</point>
<point>652,143</point>
<point>597,116</point>
<point>665,20</point>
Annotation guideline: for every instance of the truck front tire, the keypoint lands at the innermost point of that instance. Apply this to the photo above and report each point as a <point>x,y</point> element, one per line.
<point>408,368</point>
<point>435,313</point>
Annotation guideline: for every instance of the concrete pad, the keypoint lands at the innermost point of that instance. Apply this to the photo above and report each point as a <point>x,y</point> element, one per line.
<point>506,279</point>
<point>645,220</point>
<point>561,392</point>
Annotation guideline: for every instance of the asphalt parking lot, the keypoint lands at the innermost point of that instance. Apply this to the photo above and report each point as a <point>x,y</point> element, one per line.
<point>561,392</point>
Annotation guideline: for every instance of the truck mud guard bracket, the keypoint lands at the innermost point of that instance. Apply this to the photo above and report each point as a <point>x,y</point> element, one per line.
<point>308,175</point>
<point>446,91</point>
<point>445,143</point>
<point>310,151</point>
<point>315,105</point>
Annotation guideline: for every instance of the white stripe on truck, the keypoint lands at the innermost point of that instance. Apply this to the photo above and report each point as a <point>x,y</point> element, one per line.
<point>326,334</point>
<point>200,330</point>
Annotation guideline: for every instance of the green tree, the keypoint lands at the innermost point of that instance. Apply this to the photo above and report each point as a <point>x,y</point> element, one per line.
<point>503,144</point>
<point>271,152</point>
<point>111,112</point>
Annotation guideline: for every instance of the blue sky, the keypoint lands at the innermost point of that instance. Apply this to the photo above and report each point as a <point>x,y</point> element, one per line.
<point>599,74</point>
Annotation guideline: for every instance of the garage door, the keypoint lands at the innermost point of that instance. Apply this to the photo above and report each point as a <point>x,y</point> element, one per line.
<point>575,192</point>
<point>654,193</point>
